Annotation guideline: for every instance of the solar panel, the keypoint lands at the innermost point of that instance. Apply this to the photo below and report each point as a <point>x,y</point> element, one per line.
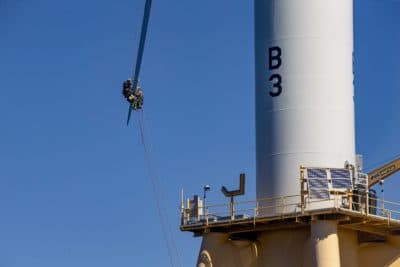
<point>316,173</point>
<point>317,184</point>
<point>318,189</point>
<point>341,179</point>
<point>340,173</point>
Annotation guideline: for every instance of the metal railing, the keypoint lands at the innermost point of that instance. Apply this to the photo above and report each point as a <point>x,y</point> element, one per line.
<point>294,205</point>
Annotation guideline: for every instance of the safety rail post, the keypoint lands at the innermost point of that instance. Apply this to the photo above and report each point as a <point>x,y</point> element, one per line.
<point>188,217</point>
<point>255,215</point>
<point>232,209</point>
<point>188,210</point>
<point>283,204</point>
<point>350,198</point>
<point>256,212</point>
<point>389,216</point>
<point>335,196</point>
<point>383,203</point>
<point>206,208</point>
<point>302,182</point>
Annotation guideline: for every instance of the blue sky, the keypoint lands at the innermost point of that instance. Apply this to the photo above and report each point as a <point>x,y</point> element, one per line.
<point>74,189</point>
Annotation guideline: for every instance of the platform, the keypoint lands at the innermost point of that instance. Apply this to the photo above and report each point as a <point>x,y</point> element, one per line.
<point>352,211</point>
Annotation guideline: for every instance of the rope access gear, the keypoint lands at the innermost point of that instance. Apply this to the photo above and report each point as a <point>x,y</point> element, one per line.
<point>133,96</point>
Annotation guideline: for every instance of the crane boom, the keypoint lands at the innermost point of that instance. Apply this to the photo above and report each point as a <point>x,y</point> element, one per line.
<point>383,172</point>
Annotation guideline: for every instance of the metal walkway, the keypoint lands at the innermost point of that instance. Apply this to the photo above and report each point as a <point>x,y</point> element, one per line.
<point>352,211</point>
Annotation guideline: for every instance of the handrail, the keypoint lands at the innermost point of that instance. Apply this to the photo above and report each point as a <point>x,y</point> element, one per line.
<point>276,206</point>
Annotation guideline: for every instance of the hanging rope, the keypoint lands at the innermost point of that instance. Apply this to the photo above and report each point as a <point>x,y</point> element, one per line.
<point>158,192</point>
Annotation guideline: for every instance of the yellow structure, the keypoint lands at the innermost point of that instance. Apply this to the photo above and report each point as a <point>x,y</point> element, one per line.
<point>299,247</point>
<point>346,229</point>
<point>383,172</point>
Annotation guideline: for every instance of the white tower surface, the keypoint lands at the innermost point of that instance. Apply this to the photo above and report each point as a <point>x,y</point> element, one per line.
<point>304,90</point>
<point>304,118</point>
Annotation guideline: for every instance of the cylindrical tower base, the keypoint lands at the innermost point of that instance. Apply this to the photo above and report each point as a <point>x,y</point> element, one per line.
<point>324,244</point>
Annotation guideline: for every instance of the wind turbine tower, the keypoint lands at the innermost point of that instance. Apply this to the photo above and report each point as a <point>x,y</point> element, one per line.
<point>313,205</point>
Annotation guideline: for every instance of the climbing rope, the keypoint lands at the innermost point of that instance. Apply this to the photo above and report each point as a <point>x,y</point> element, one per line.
<point>158,192</point>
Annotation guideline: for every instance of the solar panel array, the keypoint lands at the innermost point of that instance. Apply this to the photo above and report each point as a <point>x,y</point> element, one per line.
<point>341,179</point>
<point>318,184</point>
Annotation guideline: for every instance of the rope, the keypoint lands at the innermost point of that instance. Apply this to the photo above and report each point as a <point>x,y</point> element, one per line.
<point>158,192</point>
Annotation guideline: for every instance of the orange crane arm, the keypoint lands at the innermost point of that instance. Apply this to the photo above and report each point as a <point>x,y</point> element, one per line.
<point>383,172</point>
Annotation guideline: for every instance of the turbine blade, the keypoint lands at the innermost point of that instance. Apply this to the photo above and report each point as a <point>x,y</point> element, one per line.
<point>129,115</point>
<point>145,23</point>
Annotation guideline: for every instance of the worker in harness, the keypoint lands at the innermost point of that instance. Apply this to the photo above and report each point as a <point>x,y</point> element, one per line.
<point>131,91</point>
<point>133,96</point>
